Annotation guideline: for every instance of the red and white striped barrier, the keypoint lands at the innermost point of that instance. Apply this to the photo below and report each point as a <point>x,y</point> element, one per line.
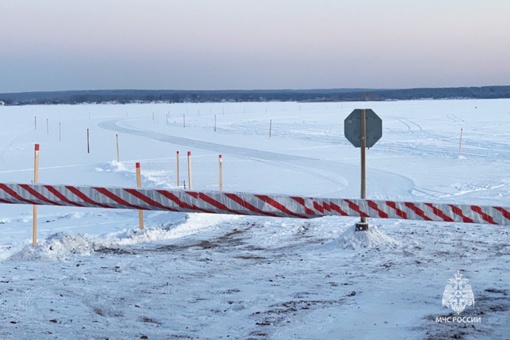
<point>245,203</point>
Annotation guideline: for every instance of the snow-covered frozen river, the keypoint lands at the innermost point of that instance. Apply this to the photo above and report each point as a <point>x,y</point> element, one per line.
<point>94,275</point>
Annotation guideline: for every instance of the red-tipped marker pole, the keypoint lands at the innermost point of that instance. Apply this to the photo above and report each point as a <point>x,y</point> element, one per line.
<point>34,208</point>
<point>139,185</point>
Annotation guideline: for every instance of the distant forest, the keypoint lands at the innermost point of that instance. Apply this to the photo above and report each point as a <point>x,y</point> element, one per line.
<point>185,96</point>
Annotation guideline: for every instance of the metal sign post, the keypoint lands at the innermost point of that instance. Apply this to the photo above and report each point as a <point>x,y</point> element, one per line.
<point>363,128</point>
<point>362,225</point>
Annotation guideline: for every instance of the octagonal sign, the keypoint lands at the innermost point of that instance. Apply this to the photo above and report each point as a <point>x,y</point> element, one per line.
<point>352,127</point>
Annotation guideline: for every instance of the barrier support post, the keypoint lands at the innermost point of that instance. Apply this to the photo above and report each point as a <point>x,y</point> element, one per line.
<point>34,213</point>
<point>139,185</point>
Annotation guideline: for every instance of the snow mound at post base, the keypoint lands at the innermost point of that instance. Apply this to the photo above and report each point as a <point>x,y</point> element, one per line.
<point>372,238</point>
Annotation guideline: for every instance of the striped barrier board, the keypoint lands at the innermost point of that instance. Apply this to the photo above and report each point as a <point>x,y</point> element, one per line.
<point>245,203</point>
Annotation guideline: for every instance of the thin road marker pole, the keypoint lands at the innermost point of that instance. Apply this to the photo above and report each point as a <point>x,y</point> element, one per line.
<point>177,170</point>
<point>118,151</point>
<point>220,159</point>
<point>34,213</point>
<point>189,171</point>
<point>139,185</point>
<point>88,141</point>
<point>460,142</point>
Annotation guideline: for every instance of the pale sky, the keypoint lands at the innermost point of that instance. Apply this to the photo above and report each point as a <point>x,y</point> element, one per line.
<point>252,44</point>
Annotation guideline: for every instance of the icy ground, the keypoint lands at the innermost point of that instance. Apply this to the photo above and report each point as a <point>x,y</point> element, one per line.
<point>95,275</point>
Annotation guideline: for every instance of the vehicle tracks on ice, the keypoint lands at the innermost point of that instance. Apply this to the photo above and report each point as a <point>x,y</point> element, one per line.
<point>408,123</point>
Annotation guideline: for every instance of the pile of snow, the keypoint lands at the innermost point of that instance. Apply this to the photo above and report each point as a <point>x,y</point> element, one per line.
<point>150,178</point>
<point>371,238</point>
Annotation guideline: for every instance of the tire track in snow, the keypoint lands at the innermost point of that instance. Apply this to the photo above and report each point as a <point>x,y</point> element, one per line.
<point>415,124</point>
<point>454,118</point>
<point>407,125</point>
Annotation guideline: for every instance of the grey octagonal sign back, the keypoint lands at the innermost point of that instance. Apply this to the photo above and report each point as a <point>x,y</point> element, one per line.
<point>352,127</point>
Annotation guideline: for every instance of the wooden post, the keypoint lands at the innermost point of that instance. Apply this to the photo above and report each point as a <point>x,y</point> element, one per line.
<point>88,141</point>
<point>363,225</point>
<point>460,142</point>
<point>183,120</point>
<point>270,127</point>
<point>35,122</point>
<point>34,213</point>
<point>177,169</point>
<point>214,123</point>
<point>189,171</point>
<point>220,159</point>
<point>47,126</point>
<point>118,151</point>
<point>139,185</point>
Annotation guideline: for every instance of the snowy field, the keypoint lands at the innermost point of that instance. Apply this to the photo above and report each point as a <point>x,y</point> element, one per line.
<point>94,275</point>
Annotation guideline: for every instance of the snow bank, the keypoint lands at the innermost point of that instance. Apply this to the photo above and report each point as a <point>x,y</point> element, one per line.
<point>63,245</point>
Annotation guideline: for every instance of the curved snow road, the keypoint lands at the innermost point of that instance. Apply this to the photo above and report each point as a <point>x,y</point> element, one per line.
<point>344,178</point>
<point>114,125</point>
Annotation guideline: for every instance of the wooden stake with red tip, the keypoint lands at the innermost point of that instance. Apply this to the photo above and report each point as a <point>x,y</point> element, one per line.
<point>34,212</point>
<point>139,185</point>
